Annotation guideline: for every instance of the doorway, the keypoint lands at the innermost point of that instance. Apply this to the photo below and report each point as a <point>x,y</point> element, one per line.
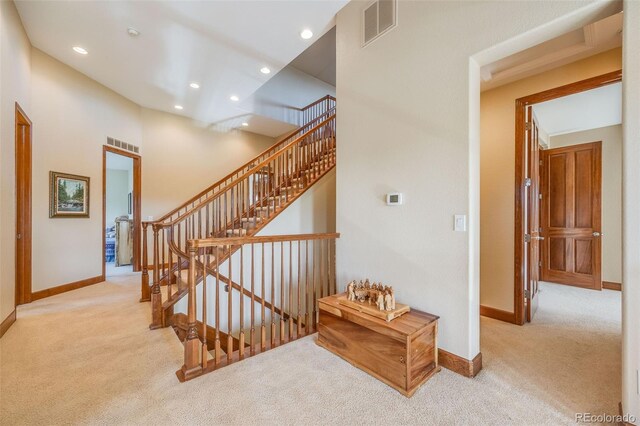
<point>121,215</point>
<point>563,244</point>
<point>23,206</point>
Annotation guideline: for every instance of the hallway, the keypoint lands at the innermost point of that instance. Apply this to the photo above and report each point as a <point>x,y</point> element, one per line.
<point>88,357</point>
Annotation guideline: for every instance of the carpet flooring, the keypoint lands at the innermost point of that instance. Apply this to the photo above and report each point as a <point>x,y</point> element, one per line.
<point>87,357</point>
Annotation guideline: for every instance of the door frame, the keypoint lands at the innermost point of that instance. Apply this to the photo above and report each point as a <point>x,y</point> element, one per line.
<point>520,172</point>
<point>23,245</point>
<point>136,201</point>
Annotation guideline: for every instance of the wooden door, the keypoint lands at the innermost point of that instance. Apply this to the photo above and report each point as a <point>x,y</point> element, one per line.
<point>571,215</point>
<point>23,207</point>
<point>532,215</point>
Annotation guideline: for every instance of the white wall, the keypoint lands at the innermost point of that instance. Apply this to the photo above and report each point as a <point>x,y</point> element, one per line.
<point>15,62</point>
<point>406,123</point>
<point>611,138</point>
<point>497,170</point>
<point>630,211</point>
<point>117,195</point>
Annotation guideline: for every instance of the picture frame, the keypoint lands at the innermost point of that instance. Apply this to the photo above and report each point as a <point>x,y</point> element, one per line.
<point>68,195</point>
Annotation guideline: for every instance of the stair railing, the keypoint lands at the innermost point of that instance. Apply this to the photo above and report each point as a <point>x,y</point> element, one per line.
<point>291,272</point>
<point>311,115</point>
<point>247,203</point>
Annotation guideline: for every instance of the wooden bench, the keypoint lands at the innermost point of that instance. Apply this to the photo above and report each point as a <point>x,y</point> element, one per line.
<point>403,353</point>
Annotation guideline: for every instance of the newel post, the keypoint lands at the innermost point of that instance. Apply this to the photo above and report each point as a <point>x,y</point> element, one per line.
<point>156,296</point>
<point>192,366</point>
<point>145,291</point>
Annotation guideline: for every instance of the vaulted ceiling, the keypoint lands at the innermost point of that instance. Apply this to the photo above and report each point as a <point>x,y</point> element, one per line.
<point>220,45</point>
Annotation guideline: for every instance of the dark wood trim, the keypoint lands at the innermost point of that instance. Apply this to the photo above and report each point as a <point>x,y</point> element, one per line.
<point>137,204</point>
<point>66,287</point>
<point>611,285</point>
<point>7,323</point>
<point>499,314</point>
<point>457,364</point>
<point>23,185</point>
<point>521,105</point>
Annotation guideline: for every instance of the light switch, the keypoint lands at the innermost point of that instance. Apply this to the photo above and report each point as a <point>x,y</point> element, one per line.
<point>460,223</point>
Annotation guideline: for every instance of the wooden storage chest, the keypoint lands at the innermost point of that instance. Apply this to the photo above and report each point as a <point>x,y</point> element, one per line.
<point>402,353</point>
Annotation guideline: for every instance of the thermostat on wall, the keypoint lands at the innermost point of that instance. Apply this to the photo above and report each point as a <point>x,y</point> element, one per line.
<point>394,199</point>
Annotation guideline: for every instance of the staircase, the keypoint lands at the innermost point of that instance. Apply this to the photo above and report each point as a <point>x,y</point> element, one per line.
<point>199,247</point>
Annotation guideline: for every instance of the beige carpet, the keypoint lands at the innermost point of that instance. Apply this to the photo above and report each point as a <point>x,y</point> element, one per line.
<point>87,357</point>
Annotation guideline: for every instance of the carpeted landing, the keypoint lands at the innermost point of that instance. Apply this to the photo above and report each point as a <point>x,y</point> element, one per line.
<point>87,357</point>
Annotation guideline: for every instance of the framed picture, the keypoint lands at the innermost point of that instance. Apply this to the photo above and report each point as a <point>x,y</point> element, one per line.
<point>68,195</point>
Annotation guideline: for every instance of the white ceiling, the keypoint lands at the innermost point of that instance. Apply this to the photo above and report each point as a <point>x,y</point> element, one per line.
<point>222,45</point>
<point>319,60</point>
<point>588,110</point>
<point>596,37</point>
<point>119,162</point>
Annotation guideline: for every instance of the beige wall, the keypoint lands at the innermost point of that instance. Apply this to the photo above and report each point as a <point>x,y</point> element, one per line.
<point>611,138</point>
<point>73,115</point>
<point>407,122</point>
<point>630,211</point>
<point>15,62</point>
<point>497,171</point>
<point>182,157</point>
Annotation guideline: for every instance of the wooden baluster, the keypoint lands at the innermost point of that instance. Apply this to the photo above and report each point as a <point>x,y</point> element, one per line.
<point>290,290</point>
<point>192,366</point>
<point>253,304</point>
<point>218,350</point>
<point>241,336</point>
<point>199,224</point>
<point>321,267</point>
<point>306,290</point>
<point>333,266</point>
<point>263,330</point>
<point>145,290</point>
<point>169,275</point>
<point>299,330</point>
<point>273,297</point>
<point>230,310</point>
<point>162,261</point>
<point>313,282</point>
<point>156,295</point>
<point>207,217</point>
<point>282,292</point>
<point>205,349</point>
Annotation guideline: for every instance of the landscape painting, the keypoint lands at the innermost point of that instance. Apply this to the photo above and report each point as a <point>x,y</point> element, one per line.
<point>69,195</point>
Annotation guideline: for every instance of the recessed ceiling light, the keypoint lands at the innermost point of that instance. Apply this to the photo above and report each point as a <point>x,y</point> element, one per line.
<point>234,98</point>
<point>194,85</point>
<point>265,70</point>
<point>178,107</point>
<point>245,124</point>
<point>133,32</point>
<point>80,50</point>
<point>306,34</point>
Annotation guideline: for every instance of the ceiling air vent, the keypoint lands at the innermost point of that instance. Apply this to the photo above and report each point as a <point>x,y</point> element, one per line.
<point>377,19</point>
<point>122,145</point>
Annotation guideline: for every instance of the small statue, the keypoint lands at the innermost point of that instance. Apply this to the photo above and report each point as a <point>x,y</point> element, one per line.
<point>351,291</point>
<point>393,298</point>
<point>380,302</point>
<point>388,302</point>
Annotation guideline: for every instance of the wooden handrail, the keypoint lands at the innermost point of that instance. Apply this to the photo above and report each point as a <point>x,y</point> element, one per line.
<point>230,175</point>
<point>249,172</point>
<point>235,241</point>
<point>318,101</point>
<point>314,278</point>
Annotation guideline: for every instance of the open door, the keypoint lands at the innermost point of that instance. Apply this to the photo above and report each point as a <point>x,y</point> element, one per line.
<point>532,215</point>
<point>23,207</point>
<point>572,215</point>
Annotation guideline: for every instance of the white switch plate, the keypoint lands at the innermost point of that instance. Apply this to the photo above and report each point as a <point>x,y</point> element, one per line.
<point>460,223</point>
